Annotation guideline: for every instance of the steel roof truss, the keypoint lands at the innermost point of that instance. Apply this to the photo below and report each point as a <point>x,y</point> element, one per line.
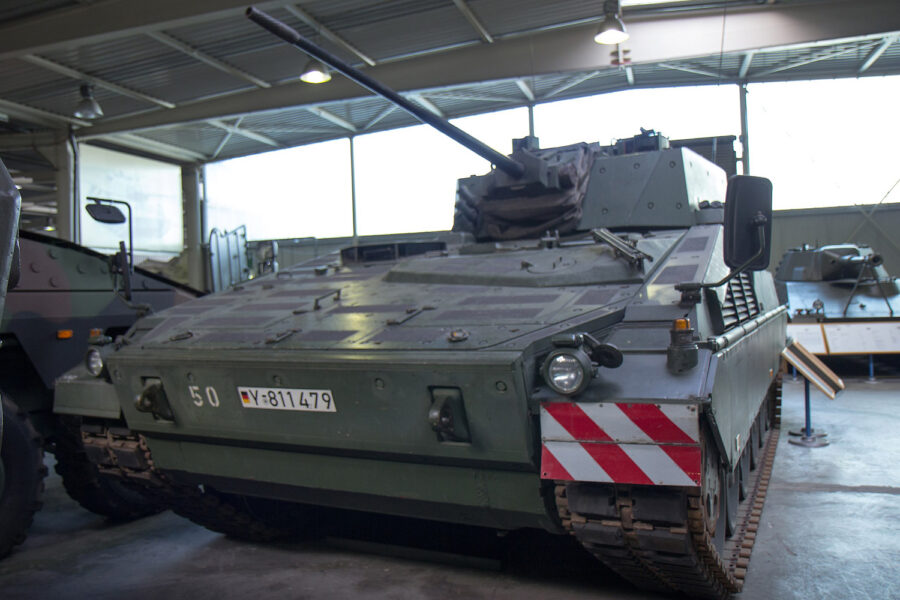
<point>876,53</point>
<point>225,138</point>
<point>690,69</point>
<point>391,108</point>
<point>578,79</point>
<point>526,89</point>
<point>247,133</point>
<point>428,104</point>
<point>745,64</point>
<point>816,58</point>
<point>324,114</point>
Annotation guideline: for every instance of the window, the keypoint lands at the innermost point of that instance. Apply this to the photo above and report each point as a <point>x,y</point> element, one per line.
<point>152,188</point>
<point>826,143</point>
<point>291,193</point>
<point>677,113</point>
<point>406,178</point>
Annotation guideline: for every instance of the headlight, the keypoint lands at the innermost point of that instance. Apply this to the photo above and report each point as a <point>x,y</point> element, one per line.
<point>93,360</point>
<point>567,371</point>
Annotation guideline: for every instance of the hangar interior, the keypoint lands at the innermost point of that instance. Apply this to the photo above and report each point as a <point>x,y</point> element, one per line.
<point>188,84</point>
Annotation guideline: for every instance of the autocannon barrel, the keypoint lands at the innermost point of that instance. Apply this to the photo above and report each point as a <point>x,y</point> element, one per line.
<point>504,163</point>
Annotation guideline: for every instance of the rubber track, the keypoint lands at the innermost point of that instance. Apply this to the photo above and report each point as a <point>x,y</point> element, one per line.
<point>113,498</point>
<point>664,558</point>
<point>222,513</point>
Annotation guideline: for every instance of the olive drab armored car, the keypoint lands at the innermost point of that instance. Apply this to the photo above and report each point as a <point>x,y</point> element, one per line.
<point>20,481</point>
<point>597,357</point>
<point>65,296</point>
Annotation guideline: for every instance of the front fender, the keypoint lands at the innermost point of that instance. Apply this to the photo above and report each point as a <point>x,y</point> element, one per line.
<point>80,393</point>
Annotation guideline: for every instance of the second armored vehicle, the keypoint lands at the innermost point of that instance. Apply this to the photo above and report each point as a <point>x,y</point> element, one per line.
<point>64,296</point>
<point>840,282</point>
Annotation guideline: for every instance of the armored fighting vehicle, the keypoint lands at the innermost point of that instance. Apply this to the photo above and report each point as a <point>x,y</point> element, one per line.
<point>840,282</point>
<point>14,432</point>
<point>598,358</point>
<point>65,296</point>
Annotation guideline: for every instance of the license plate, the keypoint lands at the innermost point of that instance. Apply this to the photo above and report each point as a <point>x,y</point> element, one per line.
<point>287,399</point>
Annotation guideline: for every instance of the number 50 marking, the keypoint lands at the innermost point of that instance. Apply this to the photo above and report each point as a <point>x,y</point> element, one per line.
<point>211,395</point>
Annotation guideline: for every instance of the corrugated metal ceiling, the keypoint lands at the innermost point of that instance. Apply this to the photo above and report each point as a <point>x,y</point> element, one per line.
<point>385,31</point>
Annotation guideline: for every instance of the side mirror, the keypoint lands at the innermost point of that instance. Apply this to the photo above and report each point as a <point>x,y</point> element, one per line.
<point>748,222</point>
<point>105,213</point>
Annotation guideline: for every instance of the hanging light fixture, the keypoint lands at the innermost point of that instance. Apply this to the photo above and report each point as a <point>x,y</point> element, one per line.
<point>612,31</point>
<point>315,72</point>
<point>87,107</point>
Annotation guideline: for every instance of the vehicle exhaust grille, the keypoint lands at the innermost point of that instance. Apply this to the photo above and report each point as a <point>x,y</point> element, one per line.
<point>740,301</point>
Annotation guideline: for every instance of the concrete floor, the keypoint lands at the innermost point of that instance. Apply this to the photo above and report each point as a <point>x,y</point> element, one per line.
<point>830,529</point>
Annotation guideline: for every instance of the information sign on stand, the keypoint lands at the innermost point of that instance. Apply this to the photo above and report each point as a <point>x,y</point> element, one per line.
<point>816,372</point>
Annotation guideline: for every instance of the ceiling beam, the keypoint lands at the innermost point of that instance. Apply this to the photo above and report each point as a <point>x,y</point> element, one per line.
<point>333,118</point>
<point>328,34</point>
<point>876,53</point>
<point>560,51</point>
<point>38,116</point>
<point>81,76</point>
<point>473,20</point>
<point>111,19</point>
<point>145,144</point>
<point>203,57</point>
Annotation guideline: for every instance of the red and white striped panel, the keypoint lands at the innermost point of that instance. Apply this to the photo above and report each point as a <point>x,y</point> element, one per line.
<point>649,444</point>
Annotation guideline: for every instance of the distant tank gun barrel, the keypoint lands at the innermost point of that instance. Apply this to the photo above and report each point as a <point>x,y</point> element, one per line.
<point>509,166</point>
<point>855,259</point>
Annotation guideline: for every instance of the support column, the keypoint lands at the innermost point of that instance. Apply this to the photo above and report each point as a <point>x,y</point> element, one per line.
<point>353,191</point>
<point>193,225</point>
<point>745,134</point>
<point>531,120</point>
<point>65,161</point>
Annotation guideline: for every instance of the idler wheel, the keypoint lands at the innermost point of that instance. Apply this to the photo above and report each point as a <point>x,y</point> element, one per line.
<point>713,492</point>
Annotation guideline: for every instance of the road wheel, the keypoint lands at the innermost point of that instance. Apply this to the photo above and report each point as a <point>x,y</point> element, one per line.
<point>100,494</point>
<point>23,472</point>
<point>714,492</point>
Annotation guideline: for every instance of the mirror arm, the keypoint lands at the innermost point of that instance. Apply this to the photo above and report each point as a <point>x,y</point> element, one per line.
<point>690,292</point>
<point>130,227</point>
